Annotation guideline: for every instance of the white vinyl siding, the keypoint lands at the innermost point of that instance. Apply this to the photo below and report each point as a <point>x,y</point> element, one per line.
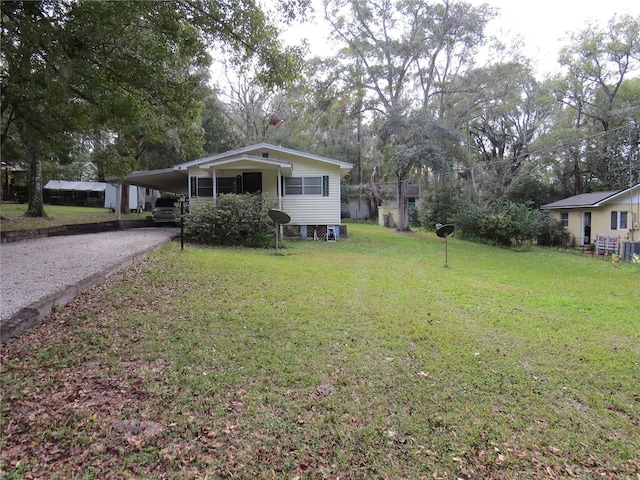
<point>315,209</point>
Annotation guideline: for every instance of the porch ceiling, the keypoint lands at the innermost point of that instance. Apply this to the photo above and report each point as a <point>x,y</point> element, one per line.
<point>247,162</point>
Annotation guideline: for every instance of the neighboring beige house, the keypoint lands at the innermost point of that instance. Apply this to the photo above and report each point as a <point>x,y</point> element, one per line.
<point>388,211</point>
<point>608,213</point>
<point>303,185</point>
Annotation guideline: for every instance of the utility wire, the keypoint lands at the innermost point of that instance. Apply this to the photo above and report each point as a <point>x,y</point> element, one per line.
<point>552,149</point>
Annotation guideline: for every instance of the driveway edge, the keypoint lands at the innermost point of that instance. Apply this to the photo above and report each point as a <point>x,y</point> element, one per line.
<point>31,315</point>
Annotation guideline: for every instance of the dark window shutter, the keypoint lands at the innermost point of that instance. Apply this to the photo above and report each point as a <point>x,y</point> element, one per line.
<point>194,187</point>
<point>614,220</point>
<point>325,186</point>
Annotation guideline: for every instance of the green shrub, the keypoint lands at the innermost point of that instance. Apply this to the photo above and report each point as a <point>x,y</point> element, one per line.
<point>438,205</point>
<point>507,224</point>
<point>233,220</point>
<point>412,213</point>
<point>551,232</point>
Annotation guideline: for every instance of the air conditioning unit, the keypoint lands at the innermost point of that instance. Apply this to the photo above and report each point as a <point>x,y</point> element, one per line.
<point>635,226</point>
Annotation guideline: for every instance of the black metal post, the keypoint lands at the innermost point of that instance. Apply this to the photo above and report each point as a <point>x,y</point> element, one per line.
<point>446,251</point>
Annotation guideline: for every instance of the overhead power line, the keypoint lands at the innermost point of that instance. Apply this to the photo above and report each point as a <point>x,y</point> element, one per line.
<point>556,147</point>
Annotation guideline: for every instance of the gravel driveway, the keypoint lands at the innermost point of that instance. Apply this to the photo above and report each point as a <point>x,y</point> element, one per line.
<point>32,270</point>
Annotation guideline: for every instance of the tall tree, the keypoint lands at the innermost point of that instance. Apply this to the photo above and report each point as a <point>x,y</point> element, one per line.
<point>129,70</point>
<point>599,60</point>
<point>218,133</point>
<point>36,116</point>
<point>253,109</point>
<point>411,143</point>
<point>505,131</point>
<point>402,54</point>
<point>405,51</point>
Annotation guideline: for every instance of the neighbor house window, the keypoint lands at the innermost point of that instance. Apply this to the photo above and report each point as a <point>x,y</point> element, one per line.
<point>564,219</point>
<point>201,187</point>
<point>306,185</point>
<point>623,219</point>
<point>614,220</point>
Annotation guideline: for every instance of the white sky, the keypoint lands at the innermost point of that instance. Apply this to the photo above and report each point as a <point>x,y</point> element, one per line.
<point>542,24</point>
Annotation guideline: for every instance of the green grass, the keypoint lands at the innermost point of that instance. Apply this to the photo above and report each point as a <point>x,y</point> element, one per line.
<point>364,358</point>
<point>13,216</point>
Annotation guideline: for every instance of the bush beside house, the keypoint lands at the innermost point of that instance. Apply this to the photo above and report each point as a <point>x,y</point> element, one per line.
<point>506,224</point>
<point>238,220</point>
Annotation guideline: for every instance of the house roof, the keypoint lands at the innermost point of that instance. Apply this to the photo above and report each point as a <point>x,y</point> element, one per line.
<point>12,168</point>
<point>586,200</point>
<point>175,179</point>
<point>244,159</point>
<point>75,186</point>
<point>257,151</point>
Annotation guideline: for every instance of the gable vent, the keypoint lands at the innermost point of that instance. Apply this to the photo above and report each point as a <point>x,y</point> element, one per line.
<point>265,154</point>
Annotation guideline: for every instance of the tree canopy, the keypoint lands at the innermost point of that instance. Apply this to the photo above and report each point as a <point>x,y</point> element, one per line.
<point>122,73</point>
<point>408,98</point>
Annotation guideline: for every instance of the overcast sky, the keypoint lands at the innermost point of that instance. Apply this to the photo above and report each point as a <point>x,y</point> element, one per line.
<point>542,24</point>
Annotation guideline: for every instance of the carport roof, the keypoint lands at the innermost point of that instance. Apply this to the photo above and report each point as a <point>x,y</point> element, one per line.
<point>166,180</point>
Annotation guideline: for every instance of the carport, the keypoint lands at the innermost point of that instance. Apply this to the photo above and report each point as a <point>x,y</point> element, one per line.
<point>165,180</point>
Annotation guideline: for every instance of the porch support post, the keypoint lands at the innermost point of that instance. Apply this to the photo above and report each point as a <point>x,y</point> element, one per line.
<point>279,188</point>
<point>189,185</point>
<point>215,184</point>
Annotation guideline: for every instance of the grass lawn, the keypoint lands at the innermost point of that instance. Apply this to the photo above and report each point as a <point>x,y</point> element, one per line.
<point>13,216</point>
<point>364,358</point>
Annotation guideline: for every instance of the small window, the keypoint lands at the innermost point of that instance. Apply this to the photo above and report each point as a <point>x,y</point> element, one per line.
<point>614,220</point>
<point>312,186</point>
<point>205,187</point>
<point>623,220</point>
<point>293,186</point>
<point>303,185</point>
<point>564,219</point>
<point>201,187</point>
<point>226,185</point>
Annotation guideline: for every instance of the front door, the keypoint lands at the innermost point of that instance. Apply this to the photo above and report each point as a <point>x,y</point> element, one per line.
<point>586,221</point>
<point>251,182</point>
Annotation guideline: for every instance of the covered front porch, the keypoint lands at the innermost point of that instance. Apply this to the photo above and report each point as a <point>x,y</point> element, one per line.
<point>239,175</point>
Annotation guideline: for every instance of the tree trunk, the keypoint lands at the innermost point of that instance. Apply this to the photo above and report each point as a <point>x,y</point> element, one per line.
<point>402,207</point>
<point>576,174</point>
<point>124,199</point>
<point>376,194</point>
<point>36,202</point>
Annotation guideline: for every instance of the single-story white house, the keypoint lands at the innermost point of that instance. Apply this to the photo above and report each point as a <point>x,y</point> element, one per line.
<point>612,213</point>
<point>303,185</point>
